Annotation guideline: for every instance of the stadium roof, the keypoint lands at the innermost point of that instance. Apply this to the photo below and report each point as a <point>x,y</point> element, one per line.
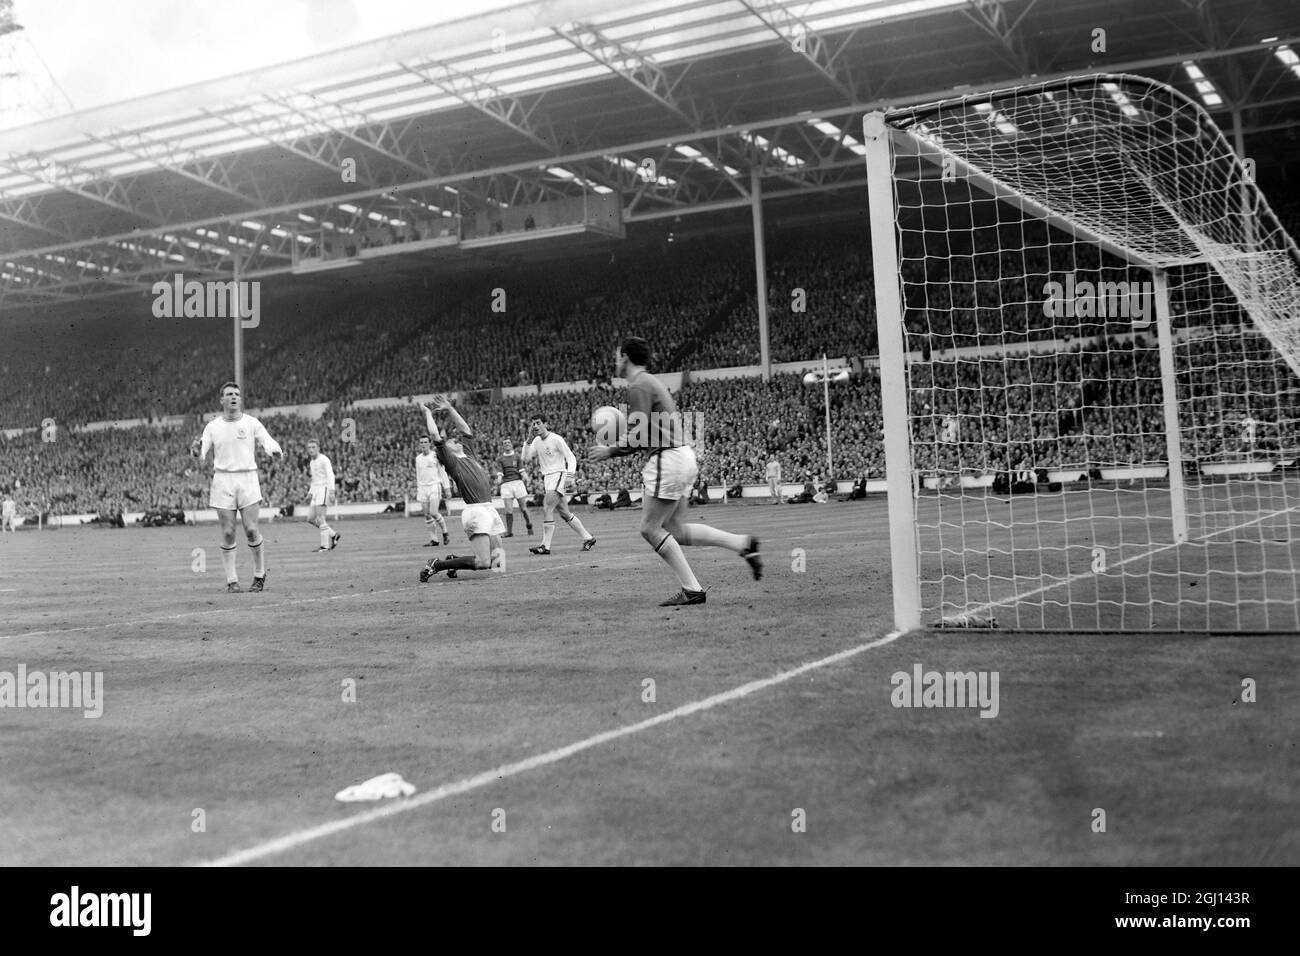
<point>557,99</point>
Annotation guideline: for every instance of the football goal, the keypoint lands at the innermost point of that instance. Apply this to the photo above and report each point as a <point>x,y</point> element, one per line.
<point>1089,323</point>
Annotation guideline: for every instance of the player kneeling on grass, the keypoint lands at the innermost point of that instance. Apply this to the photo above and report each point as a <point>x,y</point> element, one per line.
<point>236,494</point>
<point>480,519</point>
<point>322,493</point>
<point>669,474</point>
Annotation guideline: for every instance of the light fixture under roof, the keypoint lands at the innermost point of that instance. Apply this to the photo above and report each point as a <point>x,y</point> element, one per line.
<point>1209,95</point>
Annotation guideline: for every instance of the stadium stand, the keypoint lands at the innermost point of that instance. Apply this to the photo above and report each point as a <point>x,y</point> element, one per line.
<point>1097,404</point>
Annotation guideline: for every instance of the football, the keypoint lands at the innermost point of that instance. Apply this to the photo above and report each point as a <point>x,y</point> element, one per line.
<point>608,424</point>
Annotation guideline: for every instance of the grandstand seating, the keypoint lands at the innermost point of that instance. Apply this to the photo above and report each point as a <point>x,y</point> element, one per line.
<point>1098,404</point>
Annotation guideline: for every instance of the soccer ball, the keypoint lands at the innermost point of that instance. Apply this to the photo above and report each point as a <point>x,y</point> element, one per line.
<point>608,423</point>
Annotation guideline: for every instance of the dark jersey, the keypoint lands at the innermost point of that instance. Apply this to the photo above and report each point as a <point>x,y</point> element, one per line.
<point>648,399</point>
<point>508,466</point>
<point>471,478</point>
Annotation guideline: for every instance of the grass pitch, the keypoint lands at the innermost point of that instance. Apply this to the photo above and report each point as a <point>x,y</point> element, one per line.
<point>228,710</point>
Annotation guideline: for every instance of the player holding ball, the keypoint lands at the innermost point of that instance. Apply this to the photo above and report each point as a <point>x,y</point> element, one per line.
<point>668,476</point>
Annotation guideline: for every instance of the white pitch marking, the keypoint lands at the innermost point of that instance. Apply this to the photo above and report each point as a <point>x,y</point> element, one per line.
<point>479,780</point>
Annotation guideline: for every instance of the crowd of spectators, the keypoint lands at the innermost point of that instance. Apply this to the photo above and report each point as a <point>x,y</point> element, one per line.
<point>542,323</point>
<point>1096,406</point>
<point>1100,406</point>
<point>1093,405</point>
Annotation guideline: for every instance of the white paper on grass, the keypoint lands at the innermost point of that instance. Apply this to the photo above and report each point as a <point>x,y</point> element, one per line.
<point>376,788</point>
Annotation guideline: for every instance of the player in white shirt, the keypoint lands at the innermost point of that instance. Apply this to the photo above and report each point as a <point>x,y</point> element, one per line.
<point>773,474</point>
<point>8,511</point>
<point>233,437</point>
<point>1248,427</point>
<point>322,494</point>
<point>431,487</point>
<point>951,430</point>
<point>557,465</point>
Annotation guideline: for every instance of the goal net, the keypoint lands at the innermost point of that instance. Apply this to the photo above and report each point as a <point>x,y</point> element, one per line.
<point>1089,324</point>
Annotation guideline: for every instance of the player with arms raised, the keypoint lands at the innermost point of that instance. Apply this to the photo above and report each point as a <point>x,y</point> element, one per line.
<point>558,466</point>
<point>321,494</point>
<point>431,486</point>
<point>510,474</point>
<point>480,520</point>
<point>233,437</point>
<point>668,475</point>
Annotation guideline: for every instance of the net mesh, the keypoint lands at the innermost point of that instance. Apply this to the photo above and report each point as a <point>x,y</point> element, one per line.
<point>1031,224</point>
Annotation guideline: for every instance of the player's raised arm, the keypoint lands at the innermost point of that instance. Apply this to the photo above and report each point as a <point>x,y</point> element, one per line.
<point>443,405</point>
<point>430,423</point>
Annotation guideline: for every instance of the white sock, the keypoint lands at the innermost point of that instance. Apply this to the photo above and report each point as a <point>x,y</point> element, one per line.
<point>671,552</point>
<point>228,562</point>
<point>576,524</point>
<point>259,557</point>
<point>548,531</point>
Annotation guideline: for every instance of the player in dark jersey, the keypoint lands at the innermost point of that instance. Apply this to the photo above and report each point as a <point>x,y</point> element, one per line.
<point>669,474</point>
<point>480,519</point>
<point>513,489</point>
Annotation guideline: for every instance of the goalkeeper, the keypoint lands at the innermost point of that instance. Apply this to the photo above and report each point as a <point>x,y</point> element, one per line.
<point>557,464</point>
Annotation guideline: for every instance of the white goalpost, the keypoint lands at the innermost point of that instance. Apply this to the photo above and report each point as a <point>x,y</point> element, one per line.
<point>1089,325</point>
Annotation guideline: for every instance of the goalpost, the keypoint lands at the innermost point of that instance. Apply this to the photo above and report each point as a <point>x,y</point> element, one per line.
<point>1089,324</point>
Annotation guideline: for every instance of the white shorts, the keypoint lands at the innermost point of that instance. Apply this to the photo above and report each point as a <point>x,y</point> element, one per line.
<point>670,474</point>
<point>554,481</point>
<point>234,490</point>
<point>514,489</point>
<point>428,496</point>
<point>319,495</point>
<point>481,519</point>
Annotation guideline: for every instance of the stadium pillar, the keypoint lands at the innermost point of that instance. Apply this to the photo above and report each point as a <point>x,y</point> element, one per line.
<point>760,269</point>
<point>826,399</point>
<point>905,568</point>
<point>239,329</point>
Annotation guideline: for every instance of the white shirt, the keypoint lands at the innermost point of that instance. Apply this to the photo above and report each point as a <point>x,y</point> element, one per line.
<point>322,472</point>
<point>234,443</point>
<point>429,471</point>
<point>9,508</point>
<point>553,453</point>
<point>949,433</point>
